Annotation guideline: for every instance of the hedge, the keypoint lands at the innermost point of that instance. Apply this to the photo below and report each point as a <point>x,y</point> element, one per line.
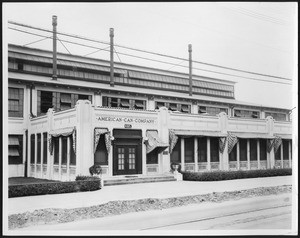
<point>229,175</point>
<point>89,184</point>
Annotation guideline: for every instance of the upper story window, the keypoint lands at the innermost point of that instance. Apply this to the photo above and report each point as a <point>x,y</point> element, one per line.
<point>186,108</point>
<point>123,103</point>
<point>15,102</point>
<point>276,116</point>
<point>212,110</point>
<point>246,113</point>
<point>58,101</point>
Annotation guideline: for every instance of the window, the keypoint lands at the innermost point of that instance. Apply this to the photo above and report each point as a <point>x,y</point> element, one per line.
<point>32,149</point>
<point>246,114</point>
<point>185,108</point>
<point>45,101</point>
<point>212,110</point>
<point>278,153</point>
<point>173,107</point>
<point>72,153</point>
<point>175,155</point>
<point>55,141</point>
<point>15,149</point>
<point>38,159</point>
<point>139,104</point>
<point>214,149</point>
<point>276,116</point>
<point>233,154</point>
<point>125,103</point>
<point>114,102</point>
<point>263,149</point>
<point>101,156</point>
<point>189,150</point>
<point>64,150</point>
<point>159,105</point>
<point>202,149</point>
<point>152,157</point>
<point>45,141</point>
<point>285,144</point>
<point>15,102</point>
<point>243,149</point>
<point>253,149</point>
<point>65,101</point>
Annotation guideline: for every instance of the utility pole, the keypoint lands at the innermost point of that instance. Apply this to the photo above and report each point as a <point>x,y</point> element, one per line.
<point>54,24</point>
<point>190,71</point>
<point>111,34</point>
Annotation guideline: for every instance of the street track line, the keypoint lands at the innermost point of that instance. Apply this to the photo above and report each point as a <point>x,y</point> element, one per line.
<point>214,217</point>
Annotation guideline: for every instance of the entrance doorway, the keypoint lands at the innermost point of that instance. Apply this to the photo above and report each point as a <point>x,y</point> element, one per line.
<point>127,152</point>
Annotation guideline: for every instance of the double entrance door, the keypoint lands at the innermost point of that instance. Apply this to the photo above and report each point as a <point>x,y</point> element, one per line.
<point>127,157</point>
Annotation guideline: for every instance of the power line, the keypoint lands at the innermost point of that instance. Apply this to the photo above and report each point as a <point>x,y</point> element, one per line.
<point>64,46</point>
<point>36,41</point>
<point>151,52</point>
<point>117,54</point>
<point>159,61</point>
<point>96,51</point>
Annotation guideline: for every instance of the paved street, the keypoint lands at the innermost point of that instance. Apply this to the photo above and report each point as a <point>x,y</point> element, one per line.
<point>269,212</point>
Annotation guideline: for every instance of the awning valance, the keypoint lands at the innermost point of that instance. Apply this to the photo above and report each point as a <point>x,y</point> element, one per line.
<point>102,131</point>
<point>248,135</point>
<point>67,131</point>
<point>154,142</point>
<point>199,133</point>
<point>173,138</point>
<point>232,140</point>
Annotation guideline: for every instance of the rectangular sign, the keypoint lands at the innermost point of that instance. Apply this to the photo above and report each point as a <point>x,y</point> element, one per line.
<point>126,119</point>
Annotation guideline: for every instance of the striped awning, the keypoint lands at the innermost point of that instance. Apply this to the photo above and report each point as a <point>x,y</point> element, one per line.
<point>13,140</point>
<point>154,142</point>
<point>67,131</point>
<point>97,133</point>
<point>199,133</point>
<point>249,135</point>
<point>13,152</point>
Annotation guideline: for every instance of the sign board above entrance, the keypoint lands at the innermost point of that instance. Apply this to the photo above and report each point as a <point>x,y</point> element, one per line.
<point>127,119</point>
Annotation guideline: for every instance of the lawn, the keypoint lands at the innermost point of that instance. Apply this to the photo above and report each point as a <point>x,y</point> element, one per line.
<point>23,180</point>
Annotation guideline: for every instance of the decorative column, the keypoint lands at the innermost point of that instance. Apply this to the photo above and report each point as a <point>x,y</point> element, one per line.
<point>144,154</point>
<point>29,148</point>
<point>97,99</point>
<point>42,155</point>
<point>258,154</point>
<point>50,158</point>
<point>150,103</point>
<point>208,154</point>
<point>248,154</point>
<point>281,154</point>
<point>84,137</point>
<point>35,155</point>
<point>110,157</point>
<point>163,133</point>
<point>68,157</point>
<point>238,155</point>
<point>290,154</point>
<point>194,109</point>
<point>182,153</point>
<point>196,153</point>
<point>59,157</point>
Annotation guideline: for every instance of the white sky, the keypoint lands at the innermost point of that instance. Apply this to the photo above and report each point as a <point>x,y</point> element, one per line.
<point>256,37</point>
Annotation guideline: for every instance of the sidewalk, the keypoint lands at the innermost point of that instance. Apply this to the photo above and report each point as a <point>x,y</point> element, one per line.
<point>138,191</point>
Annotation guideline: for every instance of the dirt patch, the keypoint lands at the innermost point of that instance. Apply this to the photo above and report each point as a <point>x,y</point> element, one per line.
<point>55,215</point>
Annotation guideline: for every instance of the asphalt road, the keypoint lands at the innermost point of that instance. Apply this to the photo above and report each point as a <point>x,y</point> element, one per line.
<point>267,212</point>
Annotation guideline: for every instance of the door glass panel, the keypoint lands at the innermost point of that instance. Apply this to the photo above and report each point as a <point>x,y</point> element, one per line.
<point>131,156</point>
<point>121,158</point>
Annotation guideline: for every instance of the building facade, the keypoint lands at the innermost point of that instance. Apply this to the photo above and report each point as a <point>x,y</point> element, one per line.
<point>141,124</point>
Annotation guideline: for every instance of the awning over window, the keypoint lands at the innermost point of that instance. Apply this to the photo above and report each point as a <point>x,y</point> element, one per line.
<point>154,142</point>
<point>13,140</point>
<point>232,140</point>
<point>248,135</point>
<point>199,133</point>
<point>173,138</point>
<point>139,104</point>
<point>67,131</point>
<point>125,104</point>
<point>97,133</point>
<point>13,152</point>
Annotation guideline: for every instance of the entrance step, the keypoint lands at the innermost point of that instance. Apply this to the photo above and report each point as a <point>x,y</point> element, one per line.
<point>132,179</point>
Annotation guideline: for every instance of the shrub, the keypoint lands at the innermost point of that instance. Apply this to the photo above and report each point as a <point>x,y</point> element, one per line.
<point>229,175</point>
<point>95,169</point>
<point>88,184</point>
